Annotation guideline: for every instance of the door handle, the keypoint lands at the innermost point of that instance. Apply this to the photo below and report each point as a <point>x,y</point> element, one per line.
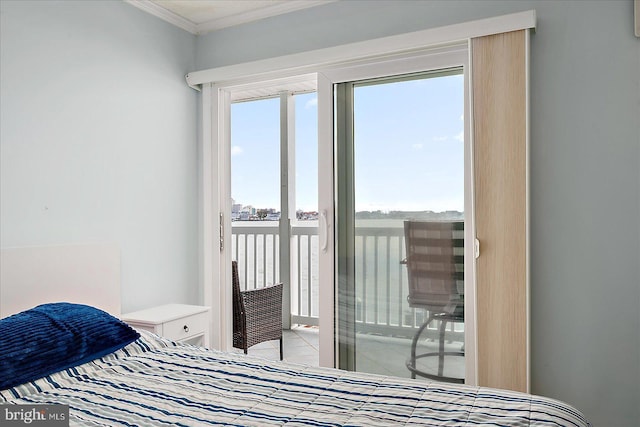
<point>324,224</point>
<point>221,232</point>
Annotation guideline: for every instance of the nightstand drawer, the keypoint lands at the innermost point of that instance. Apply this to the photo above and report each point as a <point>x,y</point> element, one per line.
<point>169,321</point>
<point>186,327</point>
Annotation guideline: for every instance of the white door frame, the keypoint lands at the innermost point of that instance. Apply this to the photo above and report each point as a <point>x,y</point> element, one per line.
<point>215,190</point>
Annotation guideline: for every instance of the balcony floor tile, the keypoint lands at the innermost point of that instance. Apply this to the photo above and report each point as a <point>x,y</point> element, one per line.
<point>301,346</point>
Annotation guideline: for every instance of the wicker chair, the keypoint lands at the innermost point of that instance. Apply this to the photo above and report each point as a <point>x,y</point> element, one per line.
<point>435,267</point>
<point>257,314</point>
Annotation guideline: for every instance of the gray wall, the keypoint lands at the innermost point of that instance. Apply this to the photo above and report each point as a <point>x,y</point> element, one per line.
<point>585,181</point>
<point>98,143</point>
<point>98,140</point>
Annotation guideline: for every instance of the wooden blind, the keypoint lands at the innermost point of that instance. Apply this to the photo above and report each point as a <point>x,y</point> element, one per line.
<point>500,136</point>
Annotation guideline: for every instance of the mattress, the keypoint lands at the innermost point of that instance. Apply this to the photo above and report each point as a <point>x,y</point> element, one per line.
<point>156,382</point>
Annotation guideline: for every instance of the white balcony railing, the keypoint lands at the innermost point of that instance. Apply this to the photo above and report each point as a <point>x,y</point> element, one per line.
<point>255,247</point>
<point>381,305</point>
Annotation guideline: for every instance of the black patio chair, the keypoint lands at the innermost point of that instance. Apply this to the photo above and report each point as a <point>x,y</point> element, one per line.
<point>257,314</point>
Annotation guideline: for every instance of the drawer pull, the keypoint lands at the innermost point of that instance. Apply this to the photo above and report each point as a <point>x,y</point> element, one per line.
<point>186,328</point>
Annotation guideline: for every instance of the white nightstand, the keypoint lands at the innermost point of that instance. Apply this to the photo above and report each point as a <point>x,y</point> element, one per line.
<point>178,322</point>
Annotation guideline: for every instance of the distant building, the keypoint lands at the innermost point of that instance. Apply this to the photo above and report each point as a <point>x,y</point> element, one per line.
<point>306,216</point>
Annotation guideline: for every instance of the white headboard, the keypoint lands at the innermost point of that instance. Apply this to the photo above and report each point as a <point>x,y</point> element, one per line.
<point>85,274</point>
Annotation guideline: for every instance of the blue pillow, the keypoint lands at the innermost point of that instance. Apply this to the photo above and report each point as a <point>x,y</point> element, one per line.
<point>52,337</point>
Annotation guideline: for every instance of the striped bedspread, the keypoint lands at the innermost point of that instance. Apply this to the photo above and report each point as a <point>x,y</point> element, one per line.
<point>155,382</point>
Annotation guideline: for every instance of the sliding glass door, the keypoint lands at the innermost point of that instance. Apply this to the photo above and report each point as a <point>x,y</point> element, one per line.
<point>394,149</point>
<point>400,157</point>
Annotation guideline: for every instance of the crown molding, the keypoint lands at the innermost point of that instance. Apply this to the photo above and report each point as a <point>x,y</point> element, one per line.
<point>257,14</point>
<point>228,21</point>
<point>164,14</point>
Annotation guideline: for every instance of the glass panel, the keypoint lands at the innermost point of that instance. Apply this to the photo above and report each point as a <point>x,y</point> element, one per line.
<point>255,190</point>
<point>306,156</point>
<point>304,293</point>
<point>408,222</point>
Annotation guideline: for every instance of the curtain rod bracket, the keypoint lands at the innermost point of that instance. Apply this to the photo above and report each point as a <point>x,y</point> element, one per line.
<point>193,86</point>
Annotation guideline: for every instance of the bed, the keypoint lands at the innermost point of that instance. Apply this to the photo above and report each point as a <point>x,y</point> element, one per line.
<point>139,379</point>
<point>109,374</point>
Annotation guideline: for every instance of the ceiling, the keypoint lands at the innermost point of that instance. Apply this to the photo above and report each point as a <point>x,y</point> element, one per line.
<point>202,16</point>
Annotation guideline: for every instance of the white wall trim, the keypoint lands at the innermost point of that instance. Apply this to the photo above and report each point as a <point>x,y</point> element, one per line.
<point>317,60</point>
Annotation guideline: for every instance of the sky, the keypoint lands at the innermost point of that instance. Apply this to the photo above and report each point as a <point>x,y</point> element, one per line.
<point>255,152</point>
<point>408,144</point>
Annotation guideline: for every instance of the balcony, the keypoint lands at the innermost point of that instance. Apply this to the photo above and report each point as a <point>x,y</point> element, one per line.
<point>383,315</point>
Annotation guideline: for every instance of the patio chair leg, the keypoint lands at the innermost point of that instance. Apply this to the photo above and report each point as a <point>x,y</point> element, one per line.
<point>443,327</point>
<point>281,347</point>
<point>414,344</point>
